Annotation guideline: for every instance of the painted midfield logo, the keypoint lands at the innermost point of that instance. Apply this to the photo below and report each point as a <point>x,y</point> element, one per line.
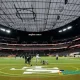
<point>38,70</point>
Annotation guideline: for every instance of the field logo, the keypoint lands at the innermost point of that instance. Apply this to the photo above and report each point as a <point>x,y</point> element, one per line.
<point>38,70</point>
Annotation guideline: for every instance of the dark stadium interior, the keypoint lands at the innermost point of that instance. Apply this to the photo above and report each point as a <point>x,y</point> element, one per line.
<point>46,36</point>
<point>39,39</point>
<point>27,19</point>
<point>32,33</point>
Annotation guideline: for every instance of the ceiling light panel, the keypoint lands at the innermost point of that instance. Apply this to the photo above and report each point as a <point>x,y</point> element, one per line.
<point>40,13</point>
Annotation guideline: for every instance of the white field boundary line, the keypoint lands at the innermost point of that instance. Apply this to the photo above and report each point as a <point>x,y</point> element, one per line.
<point>77,69</point>
<point>55,75</point>
<point>74,60</point>
<point>64,63</point>
<point>20,75</point>
<point>7,73</point>
<point>42,76</point>
<point>41,64</point>
<point>15,64</point>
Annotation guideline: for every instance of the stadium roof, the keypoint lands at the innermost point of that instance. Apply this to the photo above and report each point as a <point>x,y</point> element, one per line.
<point>38,15</point>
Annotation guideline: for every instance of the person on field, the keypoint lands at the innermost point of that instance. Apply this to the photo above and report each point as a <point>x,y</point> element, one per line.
<point>25,57</point>
<point>56,56</point>
<point>44,62</point>
<point>37,58</point>
<point>29,59</point>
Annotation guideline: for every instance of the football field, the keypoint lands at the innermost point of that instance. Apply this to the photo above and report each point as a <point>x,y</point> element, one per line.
<point>65,68</point>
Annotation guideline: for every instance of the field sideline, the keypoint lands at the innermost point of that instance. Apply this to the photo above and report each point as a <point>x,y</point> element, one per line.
<point>70,67</point>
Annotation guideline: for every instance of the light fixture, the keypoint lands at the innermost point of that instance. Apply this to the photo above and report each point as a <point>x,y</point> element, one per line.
<point>60,30</point>
<point>8,31</point>
<point>69,27</point>
<point>2,29</point>
<point>64,29</point>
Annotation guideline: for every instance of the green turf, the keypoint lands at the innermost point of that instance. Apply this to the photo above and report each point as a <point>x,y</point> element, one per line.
<point>71,67</point>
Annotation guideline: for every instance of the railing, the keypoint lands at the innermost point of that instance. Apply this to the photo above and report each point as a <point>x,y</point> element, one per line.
<point>64,45</point>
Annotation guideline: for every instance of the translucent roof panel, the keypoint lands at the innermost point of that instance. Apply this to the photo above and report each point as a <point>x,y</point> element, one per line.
<point>38,15</point>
